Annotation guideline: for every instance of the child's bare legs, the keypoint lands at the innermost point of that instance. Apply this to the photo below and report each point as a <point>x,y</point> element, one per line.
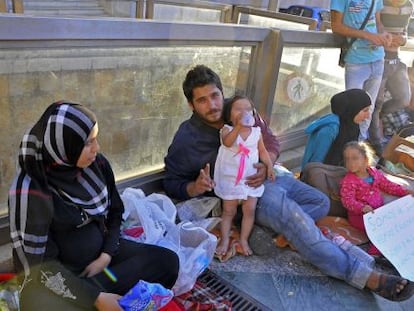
<point>249,208</point>
<point>229,210</point>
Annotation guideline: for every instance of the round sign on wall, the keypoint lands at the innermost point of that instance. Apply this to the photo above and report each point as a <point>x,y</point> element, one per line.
<point>298,87</point>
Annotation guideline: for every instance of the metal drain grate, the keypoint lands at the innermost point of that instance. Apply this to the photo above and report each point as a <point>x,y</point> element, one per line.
<point>240,301</point>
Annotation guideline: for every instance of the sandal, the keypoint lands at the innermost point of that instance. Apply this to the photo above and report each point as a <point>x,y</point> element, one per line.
<point>384,263</point>
<point>387,288</point>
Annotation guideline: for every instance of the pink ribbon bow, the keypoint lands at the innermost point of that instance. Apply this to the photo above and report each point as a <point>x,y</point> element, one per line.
<point>244,152</point>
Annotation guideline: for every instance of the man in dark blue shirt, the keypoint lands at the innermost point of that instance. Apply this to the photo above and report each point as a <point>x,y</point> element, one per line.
<point>288,206</point>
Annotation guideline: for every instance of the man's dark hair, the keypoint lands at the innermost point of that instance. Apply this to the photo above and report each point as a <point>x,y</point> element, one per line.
<point>200,76</point>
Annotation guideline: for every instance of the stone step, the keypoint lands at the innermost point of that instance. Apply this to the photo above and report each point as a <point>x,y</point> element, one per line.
<point>59,1</point>
<point>61,4</point>
<point>64,8</point>
<point>51,3</point>
<point>67,12</point>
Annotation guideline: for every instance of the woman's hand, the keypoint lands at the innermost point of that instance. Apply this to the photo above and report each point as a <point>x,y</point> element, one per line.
<point>108,302</point>
<point>257,179</point>
<point>398,39</point>
<point>97,265</point>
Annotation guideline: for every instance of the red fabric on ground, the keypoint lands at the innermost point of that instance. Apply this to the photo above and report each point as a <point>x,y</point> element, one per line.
<point>200,298</point>
<point>6,276</point>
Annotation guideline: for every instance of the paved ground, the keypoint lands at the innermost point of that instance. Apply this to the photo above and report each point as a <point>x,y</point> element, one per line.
<point>282,280</point>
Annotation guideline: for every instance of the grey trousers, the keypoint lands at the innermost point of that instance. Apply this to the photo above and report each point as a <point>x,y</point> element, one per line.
<point>396,82</point>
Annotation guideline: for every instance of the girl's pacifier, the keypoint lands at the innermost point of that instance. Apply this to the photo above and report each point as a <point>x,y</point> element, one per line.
<point>247,119</point>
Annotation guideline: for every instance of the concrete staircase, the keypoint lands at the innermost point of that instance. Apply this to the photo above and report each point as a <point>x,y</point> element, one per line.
<point>79,8</point>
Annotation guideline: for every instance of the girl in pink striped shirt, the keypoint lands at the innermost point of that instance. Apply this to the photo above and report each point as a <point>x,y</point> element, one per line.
<point>362,186</point>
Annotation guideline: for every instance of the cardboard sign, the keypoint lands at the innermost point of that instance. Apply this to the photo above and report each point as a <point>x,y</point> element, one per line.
<point>391,229</point>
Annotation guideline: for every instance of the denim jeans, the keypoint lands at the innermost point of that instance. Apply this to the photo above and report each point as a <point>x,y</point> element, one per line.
<point>290,207</point>
<point>367,77</point>
<point>395,80</point>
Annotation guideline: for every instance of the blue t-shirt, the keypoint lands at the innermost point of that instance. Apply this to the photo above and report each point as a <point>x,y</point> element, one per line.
<point>369,179</point>
<point>354,13</point>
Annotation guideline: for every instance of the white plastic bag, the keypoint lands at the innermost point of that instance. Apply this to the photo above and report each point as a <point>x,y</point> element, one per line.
<point>195,248</point>
<point>198,208</point>
<point>280,170</point>
<point>153,213</point>
<point>156,213</point>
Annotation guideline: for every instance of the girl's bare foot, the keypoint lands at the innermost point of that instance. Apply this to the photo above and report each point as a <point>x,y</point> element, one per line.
<point>247,251</point>
<point>223,246</point>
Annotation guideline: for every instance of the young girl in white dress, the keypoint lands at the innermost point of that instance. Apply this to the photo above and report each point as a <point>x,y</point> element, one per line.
<point>241,147</point>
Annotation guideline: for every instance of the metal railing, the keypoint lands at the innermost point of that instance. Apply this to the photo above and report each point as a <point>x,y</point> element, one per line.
<point>141,64</point>
<point>228,12</point>
<point>16,6</point>
<point>240,10</point>
<point>137,64</point>
<point>326,25</point>
<point>3,6</point>
<point>148,10</point>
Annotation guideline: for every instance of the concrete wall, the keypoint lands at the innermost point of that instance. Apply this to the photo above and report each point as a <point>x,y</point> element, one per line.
<point>119,8</point>
<point>135,92</point>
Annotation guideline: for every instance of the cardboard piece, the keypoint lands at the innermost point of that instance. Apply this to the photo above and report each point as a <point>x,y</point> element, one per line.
<point>400,150</point>
<point>341,226</point>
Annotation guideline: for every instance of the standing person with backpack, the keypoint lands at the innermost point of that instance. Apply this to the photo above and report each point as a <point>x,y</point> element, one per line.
<point>359,22</point>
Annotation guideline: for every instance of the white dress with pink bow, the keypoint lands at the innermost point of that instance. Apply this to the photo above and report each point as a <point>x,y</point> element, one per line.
<point>234,164</point>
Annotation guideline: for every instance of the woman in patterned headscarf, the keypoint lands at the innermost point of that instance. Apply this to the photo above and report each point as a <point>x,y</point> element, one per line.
<point>65,215</point>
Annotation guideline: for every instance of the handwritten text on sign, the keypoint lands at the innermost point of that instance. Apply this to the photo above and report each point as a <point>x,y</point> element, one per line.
<point>391,229</point>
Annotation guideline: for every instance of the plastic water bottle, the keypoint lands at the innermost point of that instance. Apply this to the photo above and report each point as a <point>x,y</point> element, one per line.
<point>350,247</point>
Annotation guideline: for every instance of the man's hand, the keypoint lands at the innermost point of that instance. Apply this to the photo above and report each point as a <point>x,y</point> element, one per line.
<point>202,184</point>
<point>383,39</point>
<point>257,179</point>
<point>96,266</point>
<point>271,174</point>
<point>398,39</point>
<point>108,302</point>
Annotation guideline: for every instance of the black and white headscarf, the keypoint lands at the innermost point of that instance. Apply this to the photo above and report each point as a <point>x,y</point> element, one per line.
<point>48,155</point>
